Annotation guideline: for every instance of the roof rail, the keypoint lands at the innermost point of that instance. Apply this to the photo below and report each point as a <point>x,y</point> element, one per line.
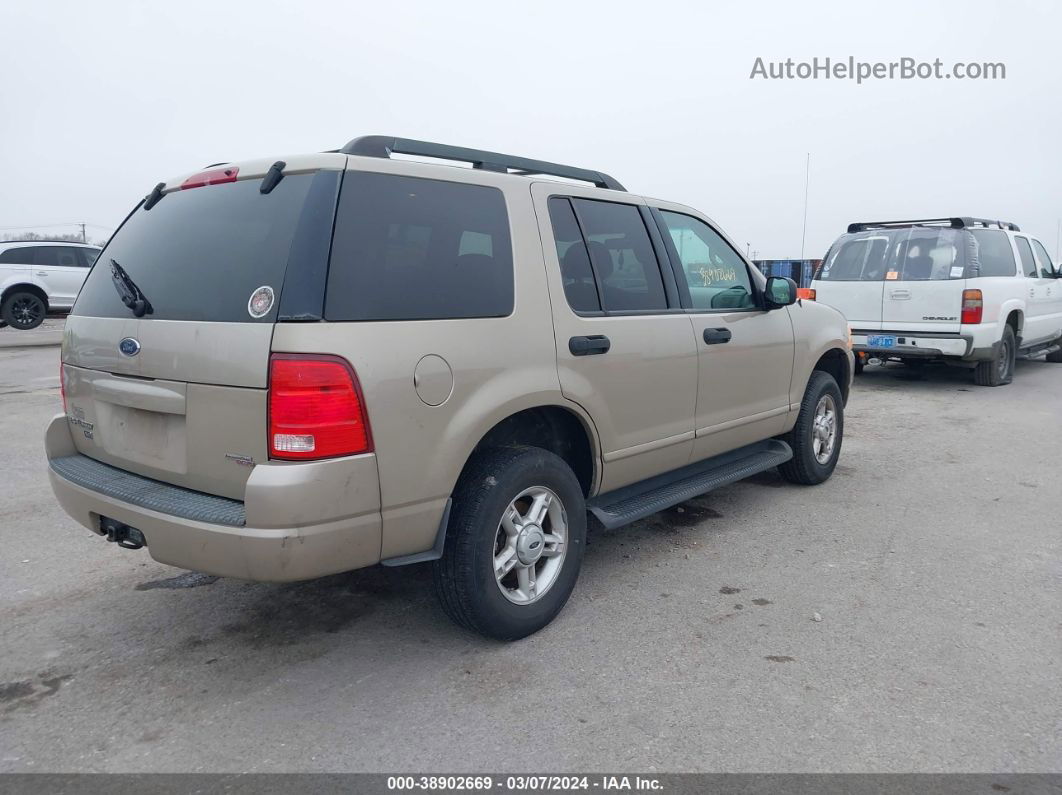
<point>385,146</point>
<point>957,222</point>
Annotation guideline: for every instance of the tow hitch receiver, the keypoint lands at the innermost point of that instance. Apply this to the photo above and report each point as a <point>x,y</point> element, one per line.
<point>122,534</point>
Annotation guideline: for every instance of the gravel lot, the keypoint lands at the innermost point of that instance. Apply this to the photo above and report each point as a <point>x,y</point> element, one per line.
<point>904,616</point>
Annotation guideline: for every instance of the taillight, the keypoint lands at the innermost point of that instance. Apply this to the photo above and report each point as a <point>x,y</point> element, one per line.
<point>62,385</point>
<point>806,293</point>
<point>215,176</point>
<point>972,306</point>
<point>316,409</point>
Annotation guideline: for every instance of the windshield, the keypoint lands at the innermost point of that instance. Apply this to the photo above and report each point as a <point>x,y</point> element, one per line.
<point>910,254</point>
<point>200,254</point>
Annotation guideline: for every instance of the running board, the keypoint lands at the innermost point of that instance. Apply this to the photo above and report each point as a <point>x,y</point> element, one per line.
<point>634,502</point>
<point>1036,353</point>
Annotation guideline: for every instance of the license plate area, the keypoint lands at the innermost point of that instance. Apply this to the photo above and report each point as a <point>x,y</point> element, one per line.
<point>881,341</point>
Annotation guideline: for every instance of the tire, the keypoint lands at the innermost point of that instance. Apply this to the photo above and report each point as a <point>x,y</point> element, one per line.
<point>859,365</point>
<point>999,370</point>
<point>23,310</point>
<point>808,467</point>
<point>517,604</point>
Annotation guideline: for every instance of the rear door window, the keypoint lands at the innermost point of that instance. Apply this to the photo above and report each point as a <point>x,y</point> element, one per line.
<point>716,275</point>
<point>88,256</point>
<point>1028,264</point>
<point>579,286</point>
<point>200,254</point>
<point>407,248</point>
<point>622,255</point>
<point>991,253</point>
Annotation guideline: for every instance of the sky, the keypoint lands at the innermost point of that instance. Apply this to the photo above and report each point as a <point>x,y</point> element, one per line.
<point>99,101</point>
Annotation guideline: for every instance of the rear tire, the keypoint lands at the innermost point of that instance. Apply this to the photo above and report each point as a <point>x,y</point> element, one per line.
<point>495,527</point>
<point>816,437</point>
<point>23,310</point>
<point>999,370</point>
<point>859,365</point>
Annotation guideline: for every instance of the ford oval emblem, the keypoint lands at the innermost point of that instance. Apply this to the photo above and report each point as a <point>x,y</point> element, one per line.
<point>129,347</point>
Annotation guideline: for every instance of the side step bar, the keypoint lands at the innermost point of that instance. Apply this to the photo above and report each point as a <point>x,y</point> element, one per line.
<point>634,502</point>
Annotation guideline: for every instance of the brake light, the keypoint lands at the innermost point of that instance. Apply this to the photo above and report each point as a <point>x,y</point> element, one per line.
<point>972,306</point>
<point>806,293</point>
<point>316,409</point>
<point>62,384</point>
<point>215,176</point>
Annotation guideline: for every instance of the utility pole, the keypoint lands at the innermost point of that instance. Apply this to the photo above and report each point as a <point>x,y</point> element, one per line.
<point>804,231</point>
<point>83,238</point>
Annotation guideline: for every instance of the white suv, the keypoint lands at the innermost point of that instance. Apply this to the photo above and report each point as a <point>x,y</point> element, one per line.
<point>37,277</point>
<point>961,290</point>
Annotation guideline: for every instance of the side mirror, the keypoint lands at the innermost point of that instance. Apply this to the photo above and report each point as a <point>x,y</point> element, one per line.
<point>780,292</point>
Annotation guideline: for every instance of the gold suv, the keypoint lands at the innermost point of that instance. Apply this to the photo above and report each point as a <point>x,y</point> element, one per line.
<point>282,369</point>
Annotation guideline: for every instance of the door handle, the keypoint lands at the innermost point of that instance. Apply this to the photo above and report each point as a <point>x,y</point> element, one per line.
<point>42,273</point>
<point>589,346</point>
<point>717,336</point>
<point>900,295</point>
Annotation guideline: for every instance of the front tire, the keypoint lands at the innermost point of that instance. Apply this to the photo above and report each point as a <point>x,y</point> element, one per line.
<point>23,310</point>
<point>514,545</point>
<point>999,370</point>
<point>816,437</point>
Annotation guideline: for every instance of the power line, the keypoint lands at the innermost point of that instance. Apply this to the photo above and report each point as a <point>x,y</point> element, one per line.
<point>46,226</point>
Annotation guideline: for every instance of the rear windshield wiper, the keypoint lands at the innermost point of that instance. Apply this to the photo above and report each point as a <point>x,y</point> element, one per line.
<point>130,294</point>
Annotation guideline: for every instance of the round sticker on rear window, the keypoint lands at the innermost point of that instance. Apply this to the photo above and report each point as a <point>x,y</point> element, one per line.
<point>260,302</point>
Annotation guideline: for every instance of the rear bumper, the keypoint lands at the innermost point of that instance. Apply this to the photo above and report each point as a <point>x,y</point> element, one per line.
<point>213,535</point>
<point>914,345</point>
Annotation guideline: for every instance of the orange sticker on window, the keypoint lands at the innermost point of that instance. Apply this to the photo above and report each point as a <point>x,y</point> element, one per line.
<point>892,275</point>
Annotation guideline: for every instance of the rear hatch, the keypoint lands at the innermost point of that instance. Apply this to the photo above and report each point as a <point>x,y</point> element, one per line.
<point>902,279</point>
<point>178,393</point>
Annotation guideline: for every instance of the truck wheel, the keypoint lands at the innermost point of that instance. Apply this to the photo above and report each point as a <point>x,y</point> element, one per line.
<point>514,544</point>
<point>999,370</point>
<point>859,364</point>
<point>816,437</point>
<point>23,310</point>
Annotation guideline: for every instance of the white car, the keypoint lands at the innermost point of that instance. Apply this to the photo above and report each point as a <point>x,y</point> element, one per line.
<point>961,290</point>
<point>37,277</point>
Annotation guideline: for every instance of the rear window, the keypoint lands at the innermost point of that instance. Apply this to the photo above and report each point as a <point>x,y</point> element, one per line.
<point>407,248</point>
<point>200,254</point>
<point>908,254</point>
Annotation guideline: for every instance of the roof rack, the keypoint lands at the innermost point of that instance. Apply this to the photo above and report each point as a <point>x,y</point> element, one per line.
<point>385,146</point>
<point>958,222</point>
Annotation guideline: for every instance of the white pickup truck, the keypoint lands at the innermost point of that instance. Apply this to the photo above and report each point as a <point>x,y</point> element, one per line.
<point>966,291</point>
<point>37,277</point>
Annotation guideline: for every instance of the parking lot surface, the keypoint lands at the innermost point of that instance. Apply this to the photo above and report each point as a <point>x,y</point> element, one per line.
<point>904,616</point>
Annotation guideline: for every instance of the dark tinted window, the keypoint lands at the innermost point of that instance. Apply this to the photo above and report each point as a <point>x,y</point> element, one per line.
<point>20,255</point>
<point>418,249</point>
<point>1043,260</point>
<point>88,256</point>
<point>578,277</point>
<point>65,256</point>
<point>1028,264</point>
<point>199,254</point>
<point>622,255</point>
<point>716,274</point>
<point>991,254</point>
